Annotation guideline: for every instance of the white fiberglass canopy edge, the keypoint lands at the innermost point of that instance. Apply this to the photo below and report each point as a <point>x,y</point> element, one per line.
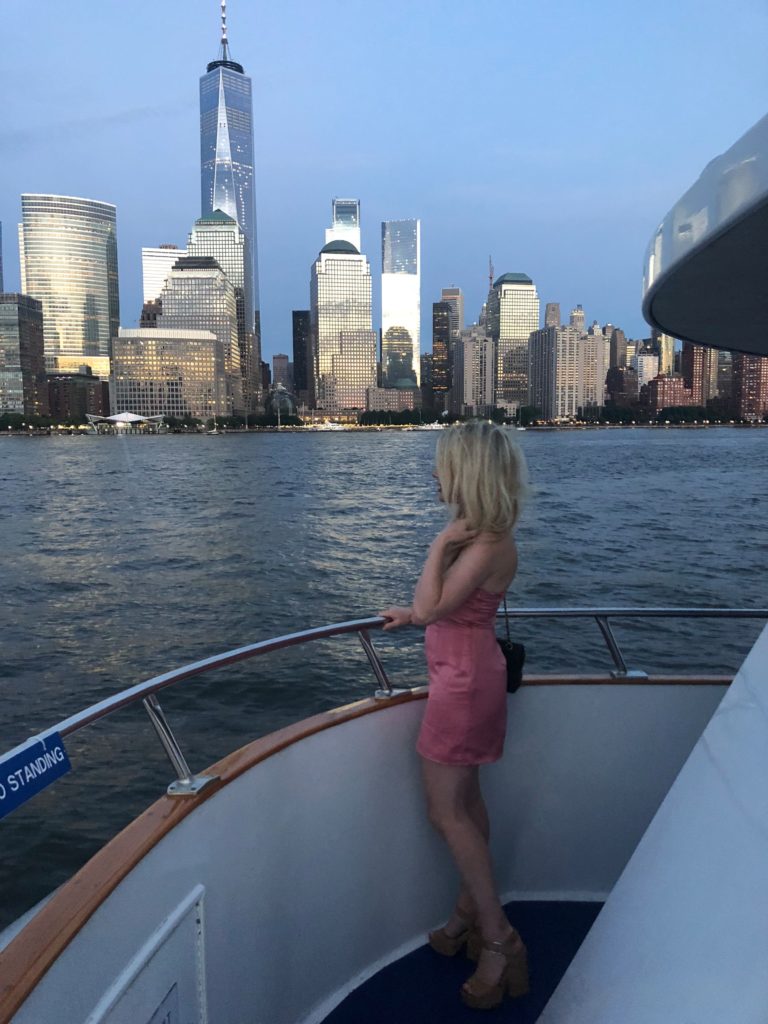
<point>705,267</point>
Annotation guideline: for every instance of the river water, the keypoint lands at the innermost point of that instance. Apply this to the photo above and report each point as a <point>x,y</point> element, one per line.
<point>127,556</point>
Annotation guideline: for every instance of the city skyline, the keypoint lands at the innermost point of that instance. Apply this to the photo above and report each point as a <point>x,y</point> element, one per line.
<point>599,190</point>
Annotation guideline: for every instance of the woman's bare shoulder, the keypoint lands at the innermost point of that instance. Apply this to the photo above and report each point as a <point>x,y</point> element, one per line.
<point>499,541</point>
<point>503,555</point>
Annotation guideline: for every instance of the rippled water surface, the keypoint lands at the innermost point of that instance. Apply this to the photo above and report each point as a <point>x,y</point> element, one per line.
<point>123,557</point>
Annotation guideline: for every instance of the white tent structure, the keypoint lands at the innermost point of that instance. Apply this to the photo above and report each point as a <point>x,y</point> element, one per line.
<point>125,420</point>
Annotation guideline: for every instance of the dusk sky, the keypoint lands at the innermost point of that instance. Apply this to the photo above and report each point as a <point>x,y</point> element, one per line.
<point>551,135</point>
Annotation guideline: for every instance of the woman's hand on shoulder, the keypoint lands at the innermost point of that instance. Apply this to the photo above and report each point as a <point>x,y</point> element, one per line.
<point>398,615</point>
<point>456,536</point>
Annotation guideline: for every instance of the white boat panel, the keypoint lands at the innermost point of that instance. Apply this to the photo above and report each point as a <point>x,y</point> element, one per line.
<point>319,866</point>
<point>684,934</point>
<point>171,961</point>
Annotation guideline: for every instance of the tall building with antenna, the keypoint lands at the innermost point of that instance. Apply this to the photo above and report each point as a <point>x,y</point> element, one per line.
<point>226,163</point>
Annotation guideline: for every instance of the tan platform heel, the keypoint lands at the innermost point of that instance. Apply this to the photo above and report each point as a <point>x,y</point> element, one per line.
<point>450,945</point>
<point>479,995</point>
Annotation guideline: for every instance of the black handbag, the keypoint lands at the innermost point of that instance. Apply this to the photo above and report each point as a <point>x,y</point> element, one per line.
<point>514,655</point>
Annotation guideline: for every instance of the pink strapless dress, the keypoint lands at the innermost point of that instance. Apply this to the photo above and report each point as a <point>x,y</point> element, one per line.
<point>466,717</point>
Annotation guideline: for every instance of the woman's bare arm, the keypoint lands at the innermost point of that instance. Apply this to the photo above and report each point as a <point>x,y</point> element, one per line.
<point>439,592</point>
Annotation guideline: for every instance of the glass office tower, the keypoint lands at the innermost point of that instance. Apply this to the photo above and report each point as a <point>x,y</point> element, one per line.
<point>301,352</point>
<point>441,346</point>
<point>513,313</point>
<point>400,302</point>
<point>68,256</point>
<point>23,384</point>
<point>226,160</point>
<point>156,264</point>
<point>340,318</point>
<point>198,296</point>
<point>455,298</point>
<point>219,235</point>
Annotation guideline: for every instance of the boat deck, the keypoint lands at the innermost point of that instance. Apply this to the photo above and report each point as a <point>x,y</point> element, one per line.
<point>423,987</point>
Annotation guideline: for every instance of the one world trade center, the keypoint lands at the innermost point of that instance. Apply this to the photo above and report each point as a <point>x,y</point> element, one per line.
<point>226,162</point>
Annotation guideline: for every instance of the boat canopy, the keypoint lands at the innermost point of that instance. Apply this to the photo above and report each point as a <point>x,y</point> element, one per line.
<point>704,278</point>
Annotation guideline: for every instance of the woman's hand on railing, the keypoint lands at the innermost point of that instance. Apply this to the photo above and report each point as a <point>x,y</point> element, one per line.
<point>398,615</point>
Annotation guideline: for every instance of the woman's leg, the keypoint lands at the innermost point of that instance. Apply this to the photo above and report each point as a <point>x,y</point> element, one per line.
<point>465,905</point>
<point>457,811</point>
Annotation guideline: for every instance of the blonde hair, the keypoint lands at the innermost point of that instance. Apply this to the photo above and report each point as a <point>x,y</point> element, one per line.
<point>482,474</point>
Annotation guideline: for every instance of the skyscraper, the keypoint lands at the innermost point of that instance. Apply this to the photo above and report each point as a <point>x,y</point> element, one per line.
<point>226,159</point>
<point>301,352</point>
<point>2,289</point>
<point>473,372</point>
<point>554,380</point>
<point>645,363</point>
<point>513,313</point>
<point>699,366</point>
<point>479,365</point>
<point>156,264</point>
<point>724,376</point>
<point>400,300</point>
<point>578,319</point>
<point>750,386</point>
<point>397,367</point>
<point>353,371</point>
<point>441,340</point>
<point>23,386</point>
<point>68,256</point>
<point>427,392</point>
<point>455,298</point>
<point>593,356</point>
<point>618,347</point>
<point>666,351</point>
<point>219,235</point>
<point>552,315</point>
<point>282,371</point>
<point>198,296</point>
<point>340,311</point>
<point>345,222</point>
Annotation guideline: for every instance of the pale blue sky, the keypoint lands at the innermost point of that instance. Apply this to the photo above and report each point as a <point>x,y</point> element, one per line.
<point>553,135</point>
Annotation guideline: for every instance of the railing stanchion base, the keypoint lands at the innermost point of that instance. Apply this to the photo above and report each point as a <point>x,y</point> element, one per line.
<point>184,788</point>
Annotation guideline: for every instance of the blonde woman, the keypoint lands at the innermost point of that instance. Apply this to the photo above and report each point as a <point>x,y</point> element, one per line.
<point>482,478</point>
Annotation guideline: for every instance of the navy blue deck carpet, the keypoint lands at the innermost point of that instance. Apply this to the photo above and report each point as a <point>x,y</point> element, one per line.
<point>423,987</point>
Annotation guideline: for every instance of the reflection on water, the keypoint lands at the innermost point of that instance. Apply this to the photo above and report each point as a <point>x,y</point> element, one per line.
<point>124,557</point>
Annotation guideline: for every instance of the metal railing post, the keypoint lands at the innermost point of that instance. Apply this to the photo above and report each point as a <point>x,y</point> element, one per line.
<point>186,784</point>
<point>385,687</point>
<point>612,645</point>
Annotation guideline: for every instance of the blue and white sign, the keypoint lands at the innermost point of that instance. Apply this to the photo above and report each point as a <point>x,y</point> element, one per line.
<point>36,765</point>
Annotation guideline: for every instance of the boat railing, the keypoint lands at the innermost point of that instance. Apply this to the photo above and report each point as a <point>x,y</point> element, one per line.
<point>602,617</point>
<point>187,783</point>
